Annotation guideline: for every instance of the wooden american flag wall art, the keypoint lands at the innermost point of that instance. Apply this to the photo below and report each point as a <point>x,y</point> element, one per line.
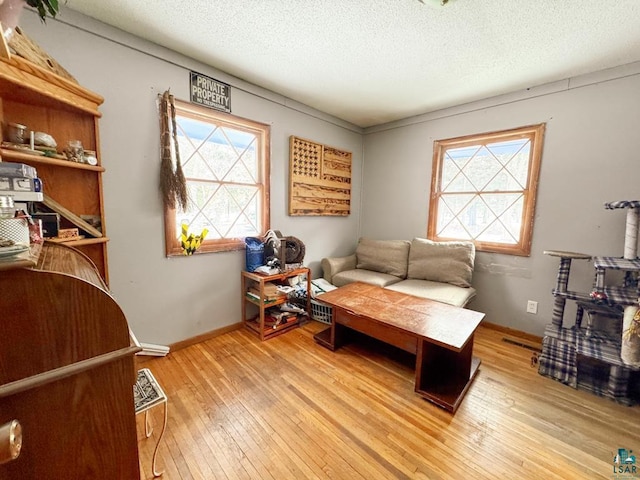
<point>319,179</point>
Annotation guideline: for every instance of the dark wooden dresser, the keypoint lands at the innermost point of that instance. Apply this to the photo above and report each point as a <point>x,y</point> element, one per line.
<point>66,369</point>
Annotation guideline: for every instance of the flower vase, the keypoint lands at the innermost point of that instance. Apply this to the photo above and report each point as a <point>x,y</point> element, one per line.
<point>10,11</point>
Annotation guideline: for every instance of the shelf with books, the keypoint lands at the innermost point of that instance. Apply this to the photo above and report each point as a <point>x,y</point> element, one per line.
<point>262,293</point>
<point>67,112</point>
<point>267,302</point>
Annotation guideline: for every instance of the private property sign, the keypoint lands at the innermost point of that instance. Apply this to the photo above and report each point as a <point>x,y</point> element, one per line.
<point>210,93</point>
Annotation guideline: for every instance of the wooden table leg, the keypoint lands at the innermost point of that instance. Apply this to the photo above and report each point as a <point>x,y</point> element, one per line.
<point>333,337</point>
<point>442,375</point>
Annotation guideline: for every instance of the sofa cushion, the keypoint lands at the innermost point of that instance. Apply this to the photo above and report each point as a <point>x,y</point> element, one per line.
<point>333,265</point>
<point>440,292</point>
<point>366,276</point>
<point>385,256</point>
<point>449,262</point>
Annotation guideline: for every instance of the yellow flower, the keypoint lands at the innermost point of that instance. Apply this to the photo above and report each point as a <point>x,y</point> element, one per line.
<point>190,242</point>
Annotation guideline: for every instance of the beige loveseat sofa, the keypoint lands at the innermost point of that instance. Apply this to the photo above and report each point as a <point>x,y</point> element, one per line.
<point>440,271</point>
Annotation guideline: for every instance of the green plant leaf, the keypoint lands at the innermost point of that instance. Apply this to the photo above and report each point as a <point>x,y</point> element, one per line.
<point>52,7</point>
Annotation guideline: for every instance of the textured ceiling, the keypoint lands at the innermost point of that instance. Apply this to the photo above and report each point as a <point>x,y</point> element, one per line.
<point>372,62</point>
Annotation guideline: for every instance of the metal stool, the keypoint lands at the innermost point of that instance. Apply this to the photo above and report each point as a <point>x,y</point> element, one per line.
<point>148,394</point>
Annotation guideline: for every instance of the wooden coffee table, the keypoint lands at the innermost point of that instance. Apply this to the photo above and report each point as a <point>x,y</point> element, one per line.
<point>440,335</point>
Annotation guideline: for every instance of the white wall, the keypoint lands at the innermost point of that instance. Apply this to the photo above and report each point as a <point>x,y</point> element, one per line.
<point>590,156</point>
<point>169,300</point>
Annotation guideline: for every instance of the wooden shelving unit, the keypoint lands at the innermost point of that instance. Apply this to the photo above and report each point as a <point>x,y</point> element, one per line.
<point>35,160</point>
<point>256,322</point>
<point>46,102</point>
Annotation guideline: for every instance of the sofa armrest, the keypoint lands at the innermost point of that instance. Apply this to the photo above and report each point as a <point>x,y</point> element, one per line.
<point>334,265</point>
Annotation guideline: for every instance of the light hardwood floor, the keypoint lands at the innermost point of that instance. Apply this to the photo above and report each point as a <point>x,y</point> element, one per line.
<point>290,409</point>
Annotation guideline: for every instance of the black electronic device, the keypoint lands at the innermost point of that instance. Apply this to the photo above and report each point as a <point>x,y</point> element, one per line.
<point>50,223</point>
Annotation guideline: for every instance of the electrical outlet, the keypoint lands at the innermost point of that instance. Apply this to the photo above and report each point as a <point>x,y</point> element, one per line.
<point>532,306</point>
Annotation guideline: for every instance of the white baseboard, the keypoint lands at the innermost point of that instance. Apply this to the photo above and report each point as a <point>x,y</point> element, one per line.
<point>153,350</point>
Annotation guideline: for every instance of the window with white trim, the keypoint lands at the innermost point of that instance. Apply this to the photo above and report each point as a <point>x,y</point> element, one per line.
<point>225,160</point>
<point>483,189</point>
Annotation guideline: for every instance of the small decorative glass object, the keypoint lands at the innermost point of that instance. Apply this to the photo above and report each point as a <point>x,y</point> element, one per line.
<point>74,151</point>
<point>16,132</point>
<point>7,209</point>
<point>90,157</point>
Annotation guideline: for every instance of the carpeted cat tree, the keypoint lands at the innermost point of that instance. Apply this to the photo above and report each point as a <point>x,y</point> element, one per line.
<point>602,356</point>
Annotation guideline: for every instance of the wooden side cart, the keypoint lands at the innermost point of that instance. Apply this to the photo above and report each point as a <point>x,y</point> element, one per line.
<point>255,321</point>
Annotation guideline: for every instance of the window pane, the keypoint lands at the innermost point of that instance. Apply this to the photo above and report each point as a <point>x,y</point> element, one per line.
<point>457,182</point>
<point>250,163</point>
<point>482,168</point>
<point>219,155</point>
<point>223,159</point>
<point>196,166</point>
<point>494,224</point>
<point>454,161</point>
<point>245,168</point>
<point>485,188</point>
<point>451,206</point>
<point>518,166</point>
<point>514,155</point>
<point>247,223</point>
<point>504,181</point>
<point>192,134</point>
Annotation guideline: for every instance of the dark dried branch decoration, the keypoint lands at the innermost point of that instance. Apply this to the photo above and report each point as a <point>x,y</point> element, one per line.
<point>172,181</point>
